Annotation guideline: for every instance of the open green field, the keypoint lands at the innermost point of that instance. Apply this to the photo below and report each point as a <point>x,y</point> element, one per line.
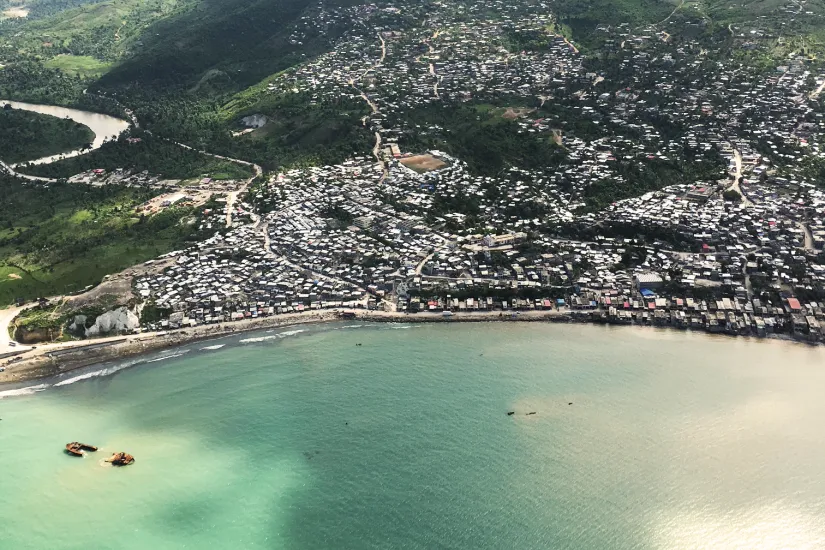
<point>81,65</point>
<point>63,238</point>
<point>102,31</point>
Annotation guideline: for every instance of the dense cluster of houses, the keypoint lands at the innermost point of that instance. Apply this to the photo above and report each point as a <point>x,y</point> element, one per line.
<point>738,249</point>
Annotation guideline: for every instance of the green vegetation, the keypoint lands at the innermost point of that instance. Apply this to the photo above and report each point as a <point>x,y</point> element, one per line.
<point>236,43</point>
<point>28,136</point>
<point>155,155</point>
<point>102,30</point>
<point>61,238</point>
<point>482,137</point>
<point>82,65</point>
<point>582,18</point>
<point>300,132</point>
<point>651,176</point>
<point>732,195</point>
<point>31,81</point>
<point>151,313</point>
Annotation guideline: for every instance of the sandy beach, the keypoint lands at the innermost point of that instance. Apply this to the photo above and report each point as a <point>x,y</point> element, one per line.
<point>49,360</point>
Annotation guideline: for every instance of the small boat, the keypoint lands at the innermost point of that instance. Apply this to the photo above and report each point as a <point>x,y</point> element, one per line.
<point>511,413</point>
<point>121,459</point>
<point>76,449</point>
<point>528,414</point>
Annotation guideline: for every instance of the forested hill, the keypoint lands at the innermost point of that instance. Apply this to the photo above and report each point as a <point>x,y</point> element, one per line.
<point>225,44</point>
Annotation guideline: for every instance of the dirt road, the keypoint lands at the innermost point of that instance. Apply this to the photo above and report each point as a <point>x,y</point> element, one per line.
<point>737,176</point>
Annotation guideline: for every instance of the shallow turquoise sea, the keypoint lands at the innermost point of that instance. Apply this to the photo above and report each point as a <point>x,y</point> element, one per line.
<point>300,439</point>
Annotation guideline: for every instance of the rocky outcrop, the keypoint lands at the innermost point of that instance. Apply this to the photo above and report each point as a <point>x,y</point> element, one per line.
<point>78,326</point>
<point>254,121</point>
<point>113,322</point>
<point>24,335</point>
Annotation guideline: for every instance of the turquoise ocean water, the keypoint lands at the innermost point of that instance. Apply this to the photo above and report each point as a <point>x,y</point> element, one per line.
<point>300,439</point>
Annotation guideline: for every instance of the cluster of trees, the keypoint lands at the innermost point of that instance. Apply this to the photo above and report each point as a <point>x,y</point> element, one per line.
<point>652,175</point>
<point>29,80</point>
<point>246,40</point>
<point>153,154</point>
<point>28,136</point>
<point>486,143</point>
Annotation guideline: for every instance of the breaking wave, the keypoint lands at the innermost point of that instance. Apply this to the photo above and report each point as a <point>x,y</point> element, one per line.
<point>170,356</point>
<point>272,337</point>
<point>393,326</point>
<point>102,372</point>
<point>23,391</point>
<point>212,348</point>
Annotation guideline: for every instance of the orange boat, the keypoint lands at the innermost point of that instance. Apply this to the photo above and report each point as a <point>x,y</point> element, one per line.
<point>76,449</point>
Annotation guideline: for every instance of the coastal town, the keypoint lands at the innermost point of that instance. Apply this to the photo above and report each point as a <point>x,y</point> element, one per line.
<point>415,230</point>
<point>668,187</point>
<point>466,274</point>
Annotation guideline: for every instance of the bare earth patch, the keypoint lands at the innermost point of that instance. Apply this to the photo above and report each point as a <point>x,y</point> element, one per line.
<point>16,13</point>
<point>14,276</point>
<point>423,163</point>
<point>512,113</point>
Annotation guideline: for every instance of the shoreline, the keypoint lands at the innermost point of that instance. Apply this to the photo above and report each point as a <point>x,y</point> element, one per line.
<point>51,360</point>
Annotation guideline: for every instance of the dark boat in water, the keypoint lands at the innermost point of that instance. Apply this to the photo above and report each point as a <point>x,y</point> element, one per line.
<point>121,459</point>
<point>76,449</point>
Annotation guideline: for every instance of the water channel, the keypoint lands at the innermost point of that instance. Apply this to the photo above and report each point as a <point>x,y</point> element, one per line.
<point>104,126</point>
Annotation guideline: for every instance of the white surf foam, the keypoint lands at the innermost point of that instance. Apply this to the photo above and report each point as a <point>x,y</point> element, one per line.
<point>170,356</point>
<point>102,372</point>
<point>23,391</point>
<point>272,337</point>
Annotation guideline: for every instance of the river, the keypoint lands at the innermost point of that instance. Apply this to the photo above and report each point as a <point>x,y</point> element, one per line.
<point>104,126</point>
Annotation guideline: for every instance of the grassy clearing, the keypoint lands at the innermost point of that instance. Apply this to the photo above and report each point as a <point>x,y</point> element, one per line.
<point>80,65</point>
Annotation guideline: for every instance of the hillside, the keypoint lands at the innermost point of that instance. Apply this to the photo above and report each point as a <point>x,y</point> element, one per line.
<point>222,44</point>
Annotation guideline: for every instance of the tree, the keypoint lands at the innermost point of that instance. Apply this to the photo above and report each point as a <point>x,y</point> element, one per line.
<point>732,195</point>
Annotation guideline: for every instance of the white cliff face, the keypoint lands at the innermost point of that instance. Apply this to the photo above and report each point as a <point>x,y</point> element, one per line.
<point>113,322</point>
